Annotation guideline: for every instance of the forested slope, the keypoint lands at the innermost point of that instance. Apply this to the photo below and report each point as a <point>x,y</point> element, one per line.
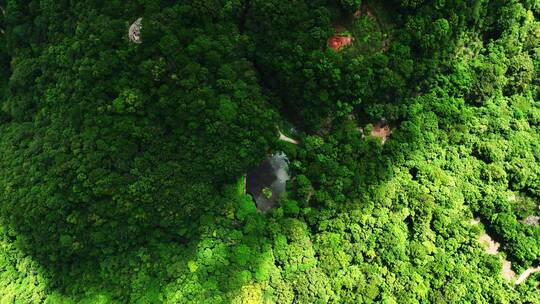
<point>121,164</point>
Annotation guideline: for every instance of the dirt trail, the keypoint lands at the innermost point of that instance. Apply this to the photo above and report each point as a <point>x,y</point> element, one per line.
<point>492,247</point>
<point>526,274</point>
<point>507,272</point>
<point>284,137</point>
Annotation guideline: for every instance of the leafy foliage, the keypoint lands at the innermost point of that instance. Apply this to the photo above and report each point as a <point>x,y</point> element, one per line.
<point>120,162</point>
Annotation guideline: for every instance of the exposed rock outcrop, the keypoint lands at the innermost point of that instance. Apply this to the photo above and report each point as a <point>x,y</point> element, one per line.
<point>135,31</point>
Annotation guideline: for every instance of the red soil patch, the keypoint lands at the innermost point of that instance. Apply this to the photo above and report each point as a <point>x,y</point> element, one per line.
<point>338,42</point>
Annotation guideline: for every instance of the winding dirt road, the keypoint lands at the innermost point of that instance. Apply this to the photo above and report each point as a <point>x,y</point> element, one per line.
<point>492,247</point>
<point>526,274</point>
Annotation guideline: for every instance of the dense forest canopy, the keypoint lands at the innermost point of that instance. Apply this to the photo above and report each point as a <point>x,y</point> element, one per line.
<point>416,129</point>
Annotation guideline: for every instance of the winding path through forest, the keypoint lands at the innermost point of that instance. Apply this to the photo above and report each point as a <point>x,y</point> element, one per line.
<point>492,247</point>
<point>526,274</point>
<point>284,137</point>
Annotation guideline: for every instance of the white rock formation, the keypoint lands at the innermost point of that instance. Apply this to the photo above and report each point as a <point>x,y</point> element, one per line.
<point>532,220</point>
<point>135,31</point>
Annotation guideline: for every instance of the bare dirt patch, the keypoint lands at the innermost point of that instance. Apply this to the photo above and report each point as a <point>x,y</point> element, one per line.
<point>492,247</point>
<point>507,271</point>
<point>284,137</point>
<point>382,130</point>
<point>341,38</point>
<point>475,221</point>
<point>338,41</point>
